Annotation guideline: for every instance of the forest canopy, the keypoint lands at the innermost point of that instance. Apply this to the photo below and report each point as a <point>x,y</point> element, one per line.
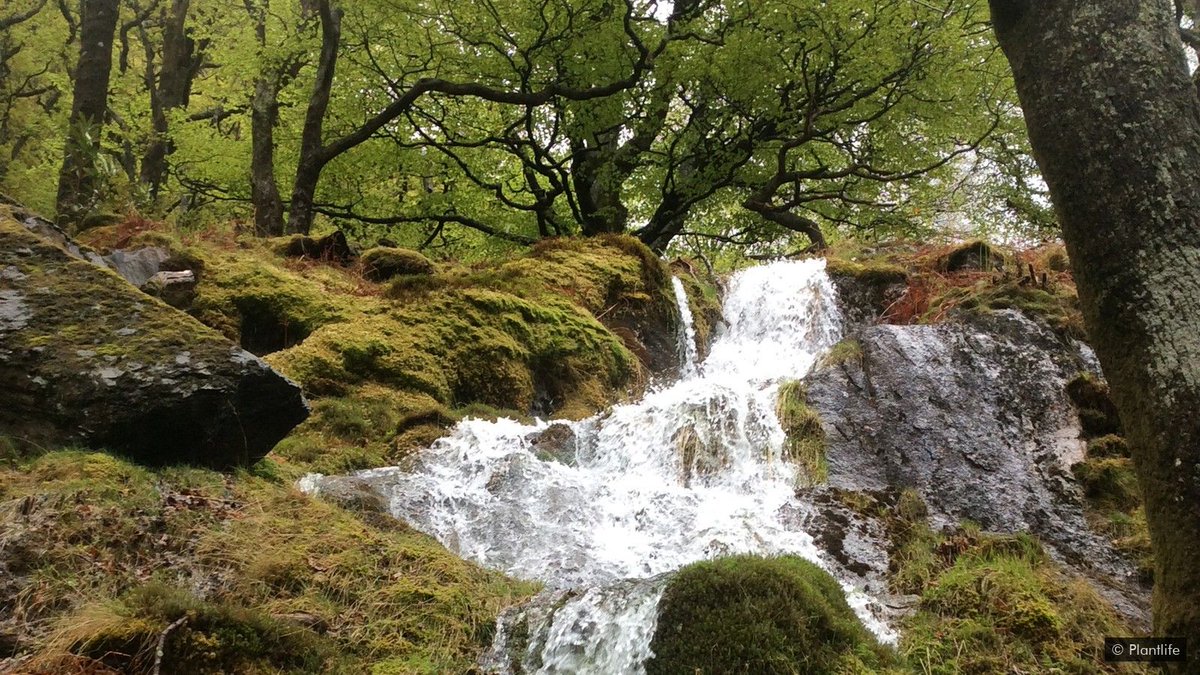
<point>768,124</point>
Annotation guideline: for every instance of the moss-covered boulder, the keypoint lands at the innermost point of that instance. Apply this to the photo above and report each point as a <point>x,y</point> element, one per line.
<point>263,306</point>
<point>87,358</point>
<point>975,255</point>
<point>333,247</point>
<point>746,614</point>
<point>385,262</point>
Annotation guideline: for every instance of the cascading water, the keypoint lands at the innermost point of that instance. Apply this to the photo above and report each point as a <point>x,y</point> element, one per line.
<point>687,336</point>
<point>692,471</point>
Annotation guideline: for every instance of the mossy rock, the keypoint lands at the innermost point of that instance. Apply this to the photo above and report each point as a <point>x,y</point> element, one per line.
<point>333,247</point>
<point>91,360</point>
<point>747,614</point>
<point>262,306</point>
<point>472,346</point>
<point>383,263</point>
<point>847,351</point>
<point>1109,482</point>
<point>872,272</point>
<point>1110,445</point>
<point>805,445</point>
<point>1097,413</point>
<point>975,255</point>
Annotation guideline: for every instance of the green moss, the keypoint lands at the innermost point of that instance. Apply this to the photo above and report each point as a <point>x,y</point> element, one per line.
<point>1058,307</point>
<point>848,350</point>
<point>1110,445</point>
<point>805,444</point>
<point>1109,482</point>
<point>382,263</point>
<point>1113,500</point>
<point>84,532</point>
<point>994,603</point>
<point>971,255</point>
<point>197,636</point>
<point>1097,413</point>
<point>471,346</point>
<point>747,614</point>
<point>869,271</point>
<point>266,307</point>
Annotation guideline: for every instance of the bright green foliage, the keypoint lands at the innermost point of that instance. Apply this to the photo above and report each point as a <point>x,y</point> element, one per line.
<point>746,614</point>
<point>805,444</point>
<point>734,88</point>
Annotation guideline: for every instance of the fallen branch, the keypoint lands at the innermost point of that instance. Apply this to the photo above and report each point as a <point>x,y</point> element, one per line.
<point>162,642</point>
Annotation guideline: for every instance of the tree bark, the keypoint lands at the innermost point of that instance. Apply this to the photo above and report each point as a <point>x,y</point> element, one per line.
<point>264,115</point>
<point>1114,121</point>
<point>171,91</point>
<point>313,155</point>
<point>77,178</point>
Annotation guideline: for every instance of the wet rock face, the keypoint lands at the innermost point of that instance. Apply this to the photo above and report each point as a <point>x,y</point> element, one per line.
<point>863,300</point>
<point>973,415</point>
<point>87,358</point>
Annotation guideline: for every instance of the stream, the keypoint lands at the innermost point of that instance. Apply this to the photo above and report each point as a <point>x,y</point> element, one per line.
<point>615,503</point>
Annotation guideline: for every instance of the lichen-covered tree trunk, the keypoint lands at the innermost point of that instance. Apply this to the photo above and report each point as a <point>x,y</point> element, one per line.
<point>77,179</point>
<point>1114,122</point>
<point>172,90</point>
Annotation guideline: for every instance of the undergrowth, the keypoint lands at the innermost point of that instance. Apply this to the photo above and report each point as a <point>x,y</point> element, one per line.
<point>992,603</point>
<point>101,557</point>
<point>941,280</point>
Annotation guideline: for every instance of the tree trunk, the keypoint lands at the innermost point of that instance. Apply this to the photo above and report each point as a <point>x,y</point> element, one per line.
<point>313,155</point>
<point>598,184</point>
<point>264,191</point>
<point>1115,125</point>
<point>77,179</point>
<point>264,114</point>
<point>172,90</point>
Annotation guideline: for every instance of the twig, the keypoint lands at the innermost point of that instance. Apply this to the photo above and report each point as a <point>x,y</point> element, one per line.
<point>162,642</point>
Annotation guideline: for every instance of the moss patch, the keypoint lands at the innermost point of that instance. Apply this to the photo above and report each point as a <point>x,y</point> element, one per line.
<point>975,277</point>
<point>972,255</point>
<point>99,549</point>
<point>385,262</point>
<point>845,351</point>
<point>994,603</point>
<point>1097,413</point>
<point>747,614</point>
<point>871,271</point>
<point>805,444</point>
<point>264,306</point>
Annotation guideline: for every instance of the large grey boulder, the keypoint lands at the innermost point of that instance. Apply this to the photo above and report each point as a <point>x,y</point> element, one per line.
<point>86,358</point>
<point>973,415</point>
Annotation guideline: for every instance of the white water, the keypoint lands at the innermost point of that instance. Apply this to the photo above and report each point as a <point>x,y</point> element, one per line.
<point>692,471</point>
<point>687,336</point>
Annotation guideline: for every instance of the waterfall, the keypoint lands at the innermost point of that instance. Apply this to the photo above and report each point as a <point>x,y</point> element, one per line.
<point>602,510</point>
<point>687,336</point>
